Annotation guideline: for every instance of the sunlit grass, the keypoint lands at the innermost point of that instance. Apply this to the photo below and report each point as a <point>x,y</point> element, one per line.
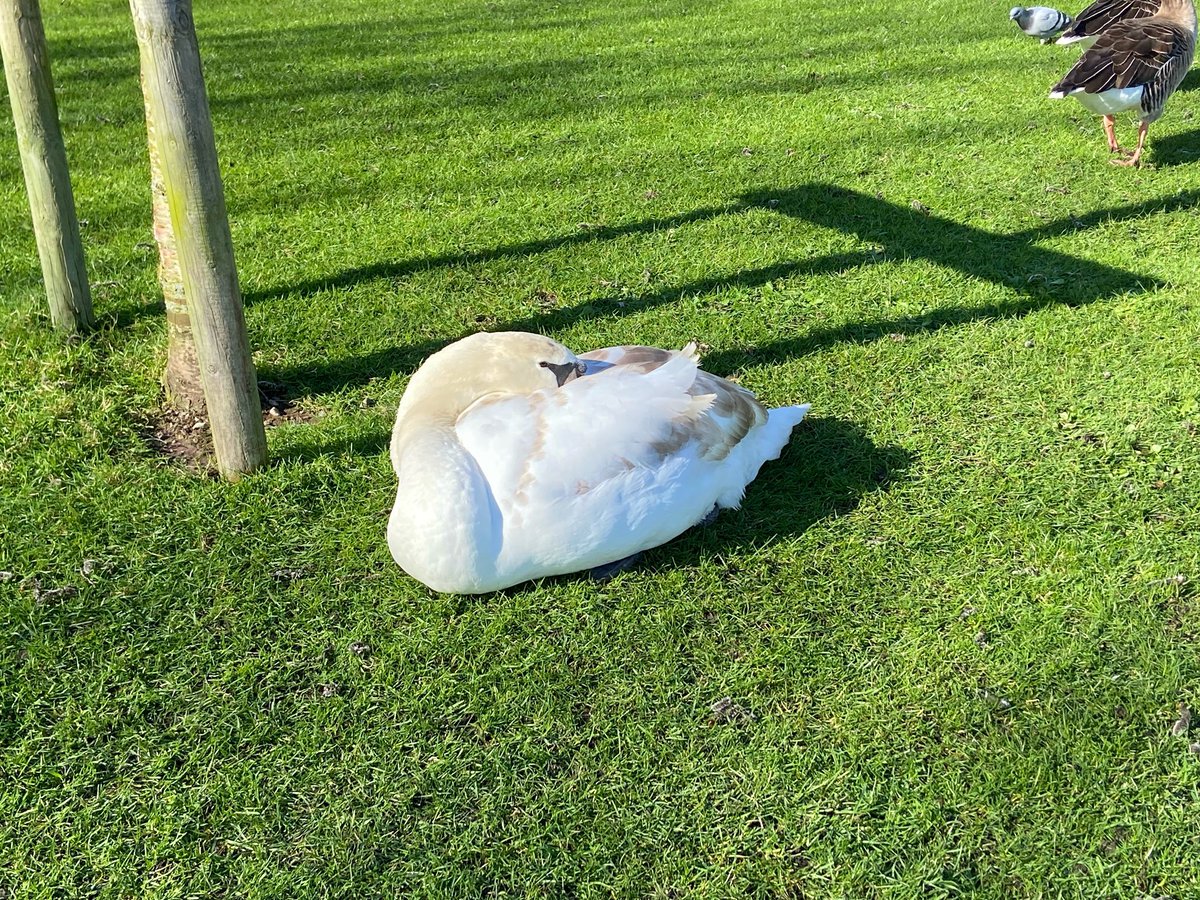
<point>954,622</point>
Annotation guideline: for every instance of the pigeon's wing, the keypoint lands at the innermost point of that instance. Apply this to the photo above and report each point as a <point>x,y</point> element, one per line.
<point>1043,21</point>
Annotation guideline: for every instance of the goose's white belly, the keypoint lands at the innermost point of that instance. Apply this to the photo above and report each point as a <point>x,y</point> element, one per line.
<point>1111,102</point>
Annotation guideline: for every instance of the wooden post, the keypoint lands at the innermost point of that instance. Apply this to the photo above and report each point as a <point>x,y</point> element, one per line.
<point>44,159</point>
<point>183,137</point>
<point>181,376</point>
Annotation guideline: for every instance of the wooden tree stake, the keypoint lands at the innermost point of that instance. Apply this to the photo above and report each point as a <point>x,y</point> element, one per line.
<point>181,376</point>
<point>44,159</point>
<point>181,130</point>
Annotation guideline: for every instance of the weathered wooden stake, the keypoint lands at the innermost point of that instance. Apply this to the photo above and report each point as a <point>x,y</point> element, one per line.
<point>183,137</point>
<point>181,376</point>
<point>44,159</point>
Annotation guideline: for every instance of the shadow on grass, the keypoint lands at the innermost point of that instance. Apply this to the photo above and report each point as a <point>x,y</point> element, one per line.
<point>127,314</point>
<point>404,267</point>
<point>313,446</point>
<point>1176,149</point>
<point>1038,277</point>
<point>825,471</point>
<point>1183,148</point>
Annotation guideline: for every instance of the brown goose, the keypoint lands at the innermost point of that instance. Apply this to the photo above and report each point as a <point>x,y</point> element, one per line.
<point>1135,64</point>
<point>1102,15</point>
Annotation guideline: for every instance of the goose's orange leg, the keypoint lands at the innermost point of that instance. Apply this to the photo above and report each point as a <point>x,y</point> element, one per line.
<point>1143,127</point>
<point>1111,134</point>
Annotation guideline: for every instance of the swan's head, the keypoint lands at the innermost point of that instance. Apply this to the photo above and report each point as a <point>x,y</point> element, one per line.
<point>506,362</point>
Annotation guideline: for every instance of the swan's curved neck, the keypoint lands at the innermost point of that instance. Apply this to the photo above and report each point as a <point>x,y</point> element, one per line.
<point>425,414</point>
<point>444,527</point>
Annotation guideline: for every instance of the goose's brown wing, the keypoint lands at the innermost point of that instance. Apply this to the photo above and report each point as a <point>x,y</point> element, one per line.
<point>1130,54</point>
<point>1103,14</point>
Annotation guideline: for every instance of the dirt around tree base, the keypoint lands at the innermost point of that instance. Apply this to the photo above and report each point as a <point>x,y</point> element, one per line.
<point>184,436</point>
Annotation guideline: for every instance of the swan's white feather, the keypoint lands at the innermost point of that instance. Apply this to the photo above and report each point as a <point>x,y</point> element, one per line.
<point>570,477</point>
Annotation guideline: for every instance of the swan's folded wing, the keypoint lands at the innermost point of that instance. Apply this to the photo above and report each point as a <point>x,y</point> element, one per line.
<point>640,359</point>
<point>638,416</point>
<point>731,414</point>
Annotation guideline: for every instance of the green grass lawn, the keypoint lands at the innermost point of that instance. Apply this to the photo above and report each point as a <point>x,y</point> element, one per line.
<point>953,623</point>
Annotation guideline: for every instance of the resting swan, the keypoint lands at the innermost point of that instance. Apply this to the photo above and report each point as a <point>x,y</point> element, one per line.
<point>518,459</point>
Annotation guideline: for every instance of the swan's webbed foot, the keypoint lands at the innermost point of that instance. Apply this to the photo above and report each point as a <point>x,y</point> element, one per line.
<point>612,569</point>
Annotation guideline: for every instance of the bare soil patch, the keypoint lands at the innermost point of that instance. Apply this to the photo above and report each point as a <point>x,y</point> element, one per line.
<point>184,436</point>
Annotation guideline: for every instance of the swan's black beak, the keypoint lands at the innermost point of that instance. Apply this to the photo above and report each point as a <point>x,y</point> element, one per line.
<point>565,372</point>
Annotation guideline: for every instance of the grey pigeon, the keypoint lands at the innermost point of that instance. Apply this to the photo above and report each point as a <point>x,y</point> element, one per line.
<point>1039,21</point>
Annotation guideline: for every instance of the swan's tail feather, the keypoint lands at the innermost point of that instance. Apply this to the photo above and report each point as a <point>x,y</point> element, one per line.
<point>762,445</point>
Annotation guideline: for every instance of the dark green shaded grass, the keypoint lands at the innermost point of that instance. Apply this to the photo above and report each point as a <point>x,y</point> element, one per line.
<point>950,618</point>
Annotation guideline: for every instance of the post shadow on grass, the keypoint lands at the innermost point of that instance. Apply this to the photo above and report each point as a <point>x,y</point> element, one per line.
<point>403,267</point>
<point>1040,277</point>
<point>358,370</point>
<point>126,314</point>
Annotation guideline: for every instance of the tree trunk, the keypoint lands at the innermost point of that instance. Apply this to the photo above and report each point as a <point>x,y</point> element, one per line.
<point>181,377</point>
<point>183,138</point>
<point>44,159</point>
